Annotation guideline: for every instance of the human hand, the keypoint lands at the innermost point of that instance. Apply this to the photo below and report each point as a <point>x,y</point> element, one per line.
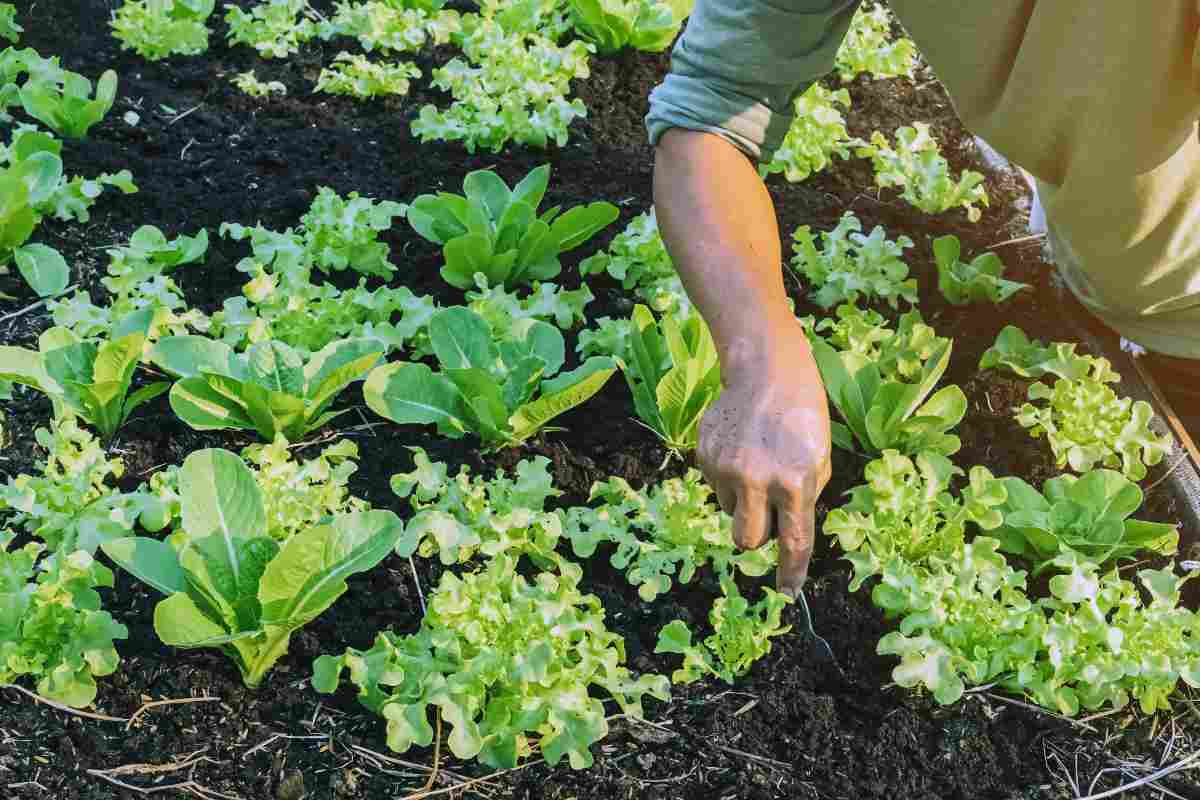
<point>765,447</point>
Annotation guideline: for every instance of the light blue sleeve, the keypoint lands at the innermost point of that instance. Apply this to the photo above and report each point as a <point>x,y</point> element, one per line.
<point>740,64</point>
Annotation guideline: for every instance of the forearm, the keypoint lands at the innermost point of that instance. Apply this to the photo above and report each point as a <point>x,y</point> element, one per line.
<point>718,223</point>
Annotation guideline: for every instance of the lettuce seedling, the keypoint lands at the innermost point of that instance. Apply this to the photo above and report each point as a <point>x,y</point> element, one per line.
<point>978,282</point>
<point>673,374</point>
<point>816,135</point>
<point>1087,424</point>
<point>1035,359</point>
<point>9,29</point>
<point>869,47</point>
<point>393,25</point>
<point>67,105</point>
<point>547,302</point>
<point>275,28</point>
<point>461,517</point>
<point>507,661</point>
<point>87,378</point>
<point>344,233</point>
<point>882,411</point>
<point>485,386</point>
<point>496,231</point>
<point>271,389</point>
<point>357,76</point>
<point>231,586</point>
<point>612,25</point>
<point>672,529</point>
<point>917,167</point>
<point>52,628</point>
<point>638,258</point>
<point>25,186</point>
<point>1086,516</point>
<point>249,83</point>
<point>850,265</point>
<point>155,29</point>
<point>741,635</point>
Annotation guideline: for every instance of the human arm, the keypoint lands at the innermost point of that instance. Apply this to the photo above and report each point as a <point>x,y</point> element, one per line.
<point>764,445</point>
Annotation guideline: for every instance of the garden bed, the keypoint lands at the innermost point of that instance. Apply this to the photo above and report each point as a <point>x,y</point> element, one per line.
<point>794,728</point>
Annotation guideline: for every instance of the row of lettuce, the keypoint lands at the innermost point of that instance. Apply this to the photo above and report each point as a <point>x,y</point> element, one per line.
<point>248,548</point>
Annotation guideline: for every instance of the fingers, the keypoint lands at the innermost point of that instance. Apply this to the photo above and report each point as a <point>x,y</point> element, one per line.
<point>796,524</point>
<point>751,519</point>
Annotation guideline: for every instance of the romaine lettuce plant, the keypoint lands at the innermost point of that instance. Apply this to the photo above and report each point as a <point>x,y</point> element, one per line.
<point>1035,359</point>
<point>613,25</point>
<point>850,265</point>
<point>231,586</point>
<point>916,166</point>
<point>882,407</point>
<point>869,47</point>
<point>87,378</point>
<point>1087,424</point>
<point>271,389</point>
<point>977,282</point>
<point>460,517</point>
<point>513,87</point>
<point>155,29</point>
<point>816,135</point>
<point>357,76</point>
<point>52,628</point>
<point>741,635</point>
<point>67,104</point>
<point>344,233</point>
<point>671,529</point>
<point>506,661</point>
<point>496,231</point>
<point>275,28</point>
<point>673,374</point>
<point>1086,516</point>
<point>503,391</point>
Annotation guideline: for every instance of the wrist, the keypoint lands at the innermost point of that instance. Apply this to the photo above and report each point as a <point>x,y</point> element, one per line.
<point>775,346</point>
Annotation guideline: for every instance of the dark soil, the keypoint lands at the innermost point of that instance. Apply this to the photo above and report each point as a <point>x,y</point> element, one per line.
<point>794,728</point>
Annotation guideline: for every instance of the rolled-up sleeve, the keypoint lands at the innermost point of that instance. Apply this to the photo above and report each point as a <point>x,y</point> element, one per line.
<point>740,64</point>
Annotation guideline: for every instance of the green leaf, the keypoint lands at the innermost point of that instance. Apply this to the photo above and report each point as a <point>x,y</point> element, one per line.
<point>413,394</point>
<point>43,268</point>
<point>462,340</point>
<point>488,189</point>
<point>201,406</point>
<point>152,562</point>
<point>179,622</point>
<point>577,225</point>
<point>560,395</point>
<point>467,255</point>
<point>220,497</point>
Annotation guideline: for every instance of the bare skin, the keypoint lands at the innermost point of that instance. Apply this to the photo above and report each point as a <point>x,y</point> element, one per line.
<point>764,445</point>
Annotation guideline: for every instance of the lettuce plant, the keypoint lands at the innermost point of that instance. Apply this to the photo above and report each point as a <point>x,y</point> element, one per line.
<point>673,374</point>
<point>275,28</point>
<point>869,47</point>
<point>231,586</point>
<point>638,259</point>
<point>816,135</point>
<point>1035,359</point>
<point>507,661</point>
<point>1087,424</point>
<point>513,86</point>
<point>393,26</point>
<point>613,25</point>
<point>73,503</point>
<point>503,391</point>
<point>1086,516</point>
<point>547,302</point>
<point>9,29</point>
<point>849,265</point>
<point>977,282</point>
<point>886,404</point>
<point>742,634</point>
<point>52,627</point>
<point>67,105</point>
<point>672,529</point>
<point>607,337</point>
<point>249,83</point>
<point>461,517</point>
<point>344,233</point>
<point>496,231</point>
<point>272,388</point>
<point>357,76</point>
<point>919,170</point>
<point>155,29</point>
<point>83,377</point>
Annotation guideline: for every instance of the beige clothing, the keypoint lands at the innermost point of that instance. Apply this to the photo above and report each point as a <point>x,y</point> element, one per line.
<point>1098,101</point>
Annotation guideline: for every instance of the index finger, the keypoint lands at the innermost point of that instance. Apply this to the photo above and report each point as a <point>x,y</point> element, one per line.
<point>795,521</point>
